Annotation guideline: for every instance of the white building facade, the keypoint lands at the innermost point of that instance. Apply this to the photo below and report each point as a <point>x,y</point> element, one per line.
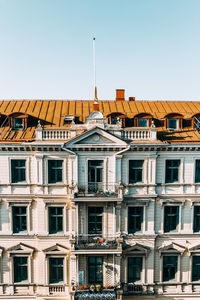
<point>98,209</point>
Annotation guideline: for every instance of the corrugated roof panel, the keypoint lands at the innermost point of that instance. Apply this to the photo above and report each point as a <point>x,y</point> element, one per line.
<point>119,107</point>
<point>57,113</point>
<point>71,108</point>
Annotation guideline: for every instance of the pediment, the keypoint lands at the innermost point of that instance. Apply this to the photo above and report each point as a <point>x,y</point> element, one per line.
<point>195,248</point>
<point>171,247</point>
<point>21,248</point>
<point>136,249</point>
<point>57,249</point>
<point>95,136</point>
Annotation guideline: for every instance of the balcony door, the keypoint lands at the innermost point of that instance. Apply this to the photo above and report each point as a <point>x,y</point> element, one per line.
<point>95,175</point>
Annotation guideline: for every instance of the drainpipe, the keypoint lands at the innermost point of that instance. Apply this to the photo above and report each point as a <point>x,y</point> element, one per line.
<point>114,268</point>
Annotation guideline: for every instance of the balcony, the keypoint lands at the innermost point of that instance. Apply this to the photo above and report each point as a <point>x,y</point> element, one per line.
<point>96,242</point>
<point>99,190</point>
<point>138,289</point>
<point>139,134</point>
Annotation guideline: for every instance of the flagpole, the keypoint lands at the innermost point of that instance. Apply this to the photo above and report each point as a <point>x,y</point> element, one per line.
<point>94,69</point>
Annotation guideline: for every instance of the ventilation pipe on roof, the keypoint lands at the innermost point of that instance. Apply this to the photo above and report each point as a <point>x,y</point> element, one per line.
<point>96,106</point>
<point>120,95</point>
<point>131,98</point>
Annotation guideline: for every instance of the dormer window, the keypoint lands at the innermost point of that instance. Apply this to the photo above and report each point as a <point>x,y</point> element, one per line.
<point>18,123</point>
<point>174,121</point>
<point>143,122</point>
<point>173,124</point>
<point>68,119</point>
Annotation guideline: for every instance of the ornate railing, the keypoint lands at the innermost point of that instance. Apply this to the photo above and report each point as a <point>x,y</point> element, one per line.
<point>53,134</point>
<point>98,189</point>
<point>93,241</point>
<point>145,134</point>
<point>89,295</point>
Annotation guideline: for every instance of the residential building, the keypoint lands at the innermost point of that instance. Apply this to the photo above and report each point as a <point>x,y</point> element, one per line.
<point>100,199</point>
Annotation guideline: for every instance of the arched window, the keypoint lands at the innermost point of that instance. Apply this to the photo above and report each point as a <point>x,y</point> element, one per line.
<point>143,120</point>
<point>174,121</point>
<point>113,118</point>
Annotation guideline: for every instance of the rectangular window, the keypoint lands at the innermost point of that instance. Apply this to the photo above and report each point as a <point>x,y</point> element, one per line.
<point>143,122</point>
<point>95,175</point>
<point>195,268</point>
<point>18,123</point>
<point>55,270</point>
<point>18,170</point>
<point>20,269</point>
<point>19,219</point>
<point>135,219</point>
<point>172,170</point>
<point>95,220</point>
<point>173,124</point>
<point>197,171</point>
<point>171,218</point>
<point>134,269</point>
<point>170,264</point>
<point>135,170</point>
<point>55,219</point>
<point>55,171</point>
<point>196,223</point>
<point>95,269</point>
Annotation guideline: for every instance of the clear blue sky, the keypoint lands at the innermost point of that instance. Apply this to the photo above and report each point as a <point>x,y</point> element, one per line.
<point>151,48</point>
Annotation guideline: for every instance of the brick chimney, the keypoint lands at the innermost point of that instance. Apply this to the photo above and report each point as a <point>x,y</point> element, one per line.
<point>131,98</point>
<point>120,95</point>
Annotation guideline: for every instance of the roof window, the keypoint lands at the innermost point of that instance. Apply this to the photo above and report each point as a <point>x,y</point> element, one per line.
<point>68,119</point>
<point>143,122</point>
<point>18,123</point>
<point>173,124</point>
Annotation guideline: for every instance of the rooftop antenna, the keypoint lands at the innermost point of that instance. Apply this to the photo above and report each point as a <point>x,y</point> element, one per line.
<point>94,70</point>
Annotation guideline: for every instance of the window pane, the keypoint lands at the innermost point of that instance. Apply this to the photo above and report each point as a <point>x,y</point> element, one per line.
<point>196,222</point>
<point>55,171</point>
<point>55,219</point>
<point>135,170</point>
<point>19,219</point>
<point>135,219</point>
<point>134,269</point>
<point>171,218</point>
<point>143,122</point>
<point>173,124</point>
<point>18,123</point>
<point>197,171</point>
<point>172,171</point>
<point>195,268</point>
<point>95,269</point>
<point>20,269</point>
<point>55,270</point>
<point>18,170</point>
<point>169,267</point>
<point>95,220</point>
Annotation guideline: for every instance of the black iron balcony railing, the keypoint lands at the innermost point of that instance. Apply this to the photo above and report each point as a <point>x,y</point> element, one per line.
<point>93,241</point>
<point>88,295</point>
<point>99,189</point>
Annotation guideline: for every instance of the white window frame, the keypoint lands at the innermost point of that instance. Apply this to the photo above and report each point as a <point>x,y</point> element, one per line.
<point>104,171</point>
<point>143,273</point>
<point>178,274</point>
<point>180,172</point>
<point>27,203</point>
<point>144,171</point>
<point>180,205</point>
<point>27,167</point>
<point>177,124</point>
<point>66,216</point>
<point>144,204</point>
<point>64,179</point>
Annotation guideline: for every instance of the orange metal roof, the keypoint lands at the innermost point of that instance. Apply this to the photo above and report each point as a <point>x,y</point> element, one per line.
<point>53,112</point>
